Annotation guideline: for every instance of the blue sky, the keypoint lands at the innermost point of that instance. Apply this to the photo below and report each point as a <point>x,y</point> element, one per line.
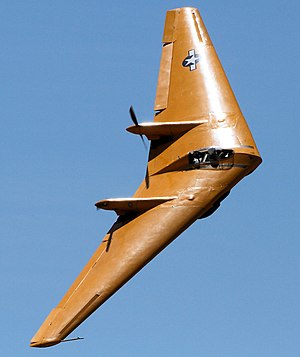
<point>69,70</point>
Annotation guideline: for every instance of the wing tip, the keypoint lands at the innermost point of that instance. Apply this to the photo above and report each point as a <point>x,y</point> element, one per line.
<point>45,342</point>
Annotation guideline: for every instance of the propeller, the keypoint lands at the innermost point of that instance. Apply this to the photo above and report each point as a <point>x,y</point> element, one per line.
<point>136,123</point>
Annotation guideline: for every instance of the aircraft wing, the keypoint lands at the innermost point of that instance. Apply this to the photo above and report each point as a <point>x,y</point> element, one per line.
<point>200,148</point>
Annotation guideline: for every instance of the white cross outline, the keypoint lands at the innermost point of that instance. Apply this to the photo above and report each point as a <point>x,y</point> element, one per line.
<point>191,60</point>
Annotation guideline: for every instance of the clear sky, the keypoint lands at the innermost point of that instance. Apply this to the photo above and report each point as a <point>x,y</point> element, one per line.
<point>69,70</point>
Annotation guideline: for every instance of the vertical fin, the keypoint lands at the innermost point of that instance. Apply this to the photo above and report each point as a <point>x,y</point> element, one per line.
<point>191,82</point>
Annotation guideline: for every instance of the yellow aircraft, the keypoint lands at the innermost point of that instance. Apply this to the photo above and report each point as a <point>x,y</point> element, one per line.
<point>200,148</point>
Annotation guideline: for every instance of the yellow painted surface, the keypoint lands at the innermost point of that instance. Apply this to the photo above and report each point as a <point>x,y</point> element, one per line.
<point>192,86</point>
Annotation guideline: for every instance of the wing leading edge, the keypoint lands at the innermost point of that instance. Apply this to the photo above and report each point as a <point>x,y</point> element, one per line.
<point>200,148</point>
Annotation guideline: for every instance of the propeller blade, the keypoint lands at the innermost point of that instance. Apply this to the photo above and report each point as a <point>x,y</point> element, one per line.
<point>143,140</point>
<point>133,116</point>
<point>147,178</point>
<point>136,123</point>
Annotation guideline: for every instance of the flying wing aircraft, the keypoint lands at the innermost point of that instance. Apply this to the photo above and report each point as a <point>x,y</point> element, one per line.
<point>200,148</point>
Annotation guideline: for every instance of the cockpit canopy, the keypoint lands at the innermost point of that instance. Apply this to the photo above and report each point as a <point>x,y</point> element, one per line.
<point>213,156</point>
